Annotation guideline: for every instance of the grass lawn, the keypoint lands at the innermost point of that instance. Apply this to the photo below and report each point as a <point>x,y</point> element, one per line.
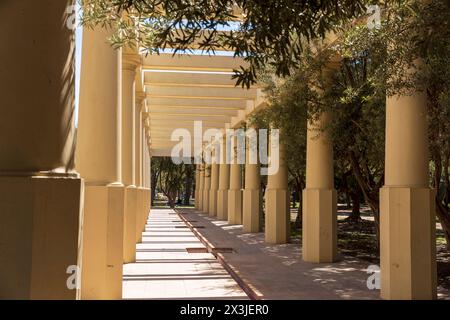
<point>359,240</point>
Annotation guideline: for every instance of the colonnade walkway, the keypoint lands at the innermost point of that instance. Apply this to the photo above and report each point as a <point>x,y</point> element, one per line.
<point>172,263</point>
<point>270,271</point>
<point>190,255</point>
<point>277,271</point>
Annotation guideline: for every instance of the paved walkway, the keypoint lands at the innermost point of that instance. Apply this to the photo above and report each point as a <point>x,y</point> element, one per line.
<point>277,271</point>
<point>171,263</point>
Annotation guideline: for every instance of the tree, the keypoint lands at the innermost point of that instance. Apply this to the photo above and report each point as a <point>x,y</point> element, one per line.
<point>288,100</point>
<point>435,29</point>
<point>419,41</point>
<point>188,182</point>
<point>356,99</point>
<point>155,175</point>
<point>356,94</point>
<point>171,179</point>
<point>262,32</point>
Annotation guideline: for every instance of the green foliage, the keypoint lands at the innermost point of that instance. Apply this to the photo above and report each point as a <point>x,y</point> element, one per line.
<point>269,32</point>
<point>409,52</point>
<point>356,99</point>
<point>170,178</point>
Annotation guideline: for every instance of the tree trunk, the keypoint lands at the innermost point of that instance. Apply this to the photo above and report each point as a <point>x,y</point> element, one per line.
<point>188,189</point>
<point>153,183</point>
<point>171,197</point>
<point>442,195</point>
<point>348,198</point>
<point>153,196</point>
<point>371,193</point>
<point>299,219</point>
<point>355,214</point>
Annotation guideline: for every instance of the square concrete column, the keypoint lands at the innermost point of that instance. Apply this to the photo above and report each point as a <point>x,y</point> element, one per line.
<point>201,186</point>
<point>132,221</point>
<point>319,197</point>
<point>206,190</point>
<point>207,180</point>
<point>99,161</point>
<point>139,107</point>
<point>252,192</point>
<point>224,182</point>
<point>147,179</point>
<point>41,193</point>
<point>147,173</point>
<point>214,181</point>
<point>235,190</point>
<point>407,212</point>
<point>196,186</point>
<point>277,229</point>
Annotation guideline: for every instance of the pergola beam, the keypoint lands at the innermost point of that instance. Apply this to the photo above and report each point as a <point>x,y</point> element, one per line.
<point>193,92</point>
<point>205,80</point>
<point>189,111</point>
<point>186,62</point>
<point>189,102</point>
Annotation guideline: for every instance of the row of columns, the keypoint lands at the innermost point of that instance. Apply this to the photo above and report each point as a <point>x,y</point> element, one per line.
<point>407,222</point>
<point>113,157</point>
<point>73,200</point>
<point>219,191</point>
<point>55,223</point>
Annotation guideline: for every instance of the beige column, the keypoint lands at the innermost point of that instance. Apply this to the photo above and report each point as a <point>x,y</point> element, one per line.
<point>407,212</point>
<point>206,183</point>
<point>40,191</point>
<point>139,106</point>
<point>252,192</point>
<point>201,187</point>
<point>148,195</point>
<point>147,165</point>
<point>277,220</point>
<point>197,181</point>
<point>235,190</point>
<point>130,63</point>
<point>139,129</point>
<point>224,182</point>
<point>319,196</point>
<point>214,181</point>
<point>98,159</point>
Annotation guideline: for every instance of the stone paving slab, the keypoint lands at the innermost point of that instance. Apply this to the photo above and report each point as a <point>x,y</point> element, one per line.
<point>277,271</point>
<point>165,270</point>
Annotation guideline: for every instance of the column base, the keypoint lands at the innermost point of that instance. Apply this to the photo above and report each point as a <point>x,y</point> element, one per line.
<point>212,209</point>
<point>40,237</point>
<point>140,213</point>
<point>129,234</point>
<point>147,205</point>
<point>200,200</point>
<point>196,200</point>
<point>278,224</point>
<point>148,201</point>
<point>205,207</point>
<point>235,206</point>
<point>222,204</point>
<point>407,243</point>
<point>319,225</point>
<point>104,209</point>
<point>251,210</point>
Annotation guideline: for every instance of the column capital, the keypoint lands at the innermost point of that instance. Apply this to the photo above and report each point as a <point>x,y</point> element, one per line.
<point>140,98</point>
<point>131,61</point>
<point>146,121</point>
